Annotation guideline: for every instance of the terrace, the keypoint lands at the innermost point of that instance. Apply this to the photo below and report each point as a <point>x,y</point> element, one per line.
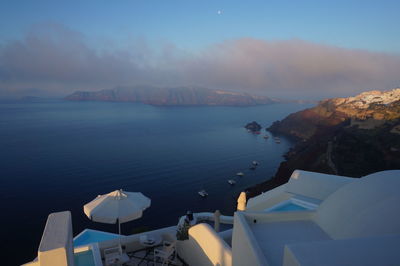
<point>314,219</point>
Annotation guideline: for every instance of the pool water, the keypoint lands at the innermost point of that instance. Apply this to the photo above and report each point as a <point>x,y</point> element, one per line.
<point>289,207</point>
<point>84,258</point>
<point>293,204</point>
<point>89,236</point>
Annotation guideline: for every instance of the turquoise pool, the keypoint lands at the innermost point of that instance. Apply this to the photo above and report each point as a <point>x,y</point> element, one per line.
<point>84,258</point>
<point>89,236</point>
<point>293,205</point>
<point>289,207</point>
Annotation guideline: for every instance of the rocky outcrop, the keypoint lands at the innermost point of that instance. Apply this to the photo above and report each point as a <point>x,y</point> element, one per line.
<point>352,136</point>
<point>368,109</point>
<point>253,126</point>
<point>172,96</point>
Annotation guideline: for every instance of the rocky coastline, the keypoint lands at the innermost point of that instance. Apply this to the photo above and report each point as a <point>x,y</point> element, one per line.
<point>338,134</point>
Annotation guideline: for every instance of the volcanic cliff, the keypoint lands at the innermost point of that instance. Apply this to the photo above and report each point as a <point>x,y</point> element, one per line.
<point>352,136</point>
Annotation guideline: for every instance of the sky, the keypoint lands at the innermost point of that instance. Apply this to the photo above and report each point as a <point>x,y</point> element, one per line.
<point>287,49</point>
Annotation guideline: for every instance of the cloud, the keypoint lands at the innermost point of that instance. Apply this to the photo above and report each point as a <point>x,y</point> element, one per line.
<point>58,61</point>
<point>293,67</point>
<point>56,54</point>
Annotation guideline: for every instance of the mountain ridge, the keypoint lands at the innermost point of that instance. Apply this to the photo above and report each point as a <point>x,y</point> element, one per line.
<point>178,96</point>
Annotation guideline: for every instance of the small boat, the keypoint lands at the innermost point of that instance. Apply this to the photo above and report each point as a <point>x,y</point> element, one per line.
<point>265,137</point>
<point>240,174</point>
<point>277,141</point>
<point>231,182</point>
<point>257,132</point>
<point>255,163</point>
<point>203,193</point>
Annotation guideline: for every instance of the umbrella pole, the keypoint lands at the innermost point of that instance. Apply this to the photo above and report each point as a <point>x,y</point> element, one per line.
<point>119,238</point>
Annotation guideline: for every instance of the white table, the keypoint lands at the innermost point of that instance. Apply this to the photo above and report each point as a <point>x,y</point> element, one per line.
<point>149,240</point>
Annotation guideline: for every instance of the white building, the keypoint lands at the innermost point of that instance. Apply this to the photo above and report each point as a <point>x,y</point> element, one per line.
<point>314,219</point>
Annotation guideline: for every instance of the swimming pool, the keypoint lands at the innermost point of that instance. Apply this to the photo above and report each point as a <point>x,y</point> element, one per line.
<point>289,207</point>
<point>84,258</point>
<point>89,236</point>
<point>292,205</point>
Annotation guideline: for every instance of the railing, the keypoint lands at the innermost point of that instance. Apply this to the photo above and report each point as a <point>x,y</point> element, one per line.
<point>206,216</point>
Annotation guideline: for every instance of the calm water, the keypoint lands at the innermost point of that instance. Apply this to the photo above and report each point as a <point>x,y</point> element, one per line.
<point>60,155</point>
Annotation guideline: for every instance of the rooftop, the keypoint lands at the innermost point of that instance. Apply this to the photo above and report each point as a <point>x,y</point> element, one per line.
<point>313,219</point>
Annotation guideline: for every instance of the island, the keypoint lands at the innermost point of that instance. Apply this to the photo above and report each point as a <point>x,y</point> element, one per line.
<point>253,127</point>
<point>179,96</point>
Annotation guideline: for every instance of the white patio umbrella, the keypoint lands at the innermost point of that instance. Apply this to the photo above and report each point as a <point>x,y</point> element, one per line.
<point>117,207</point>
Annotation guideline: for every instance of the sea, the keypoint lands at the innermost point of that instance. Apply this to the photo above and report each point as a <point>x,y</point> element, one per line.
<point>58,155</point>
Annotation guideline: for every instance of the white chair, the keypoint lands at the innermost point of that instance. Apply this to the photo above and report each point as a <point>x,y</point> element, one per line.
<point>166,254</point>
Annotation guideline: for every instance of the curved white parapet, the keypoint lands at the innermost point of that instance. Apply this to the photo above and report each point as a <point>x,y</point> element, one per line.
<point>204,247</point>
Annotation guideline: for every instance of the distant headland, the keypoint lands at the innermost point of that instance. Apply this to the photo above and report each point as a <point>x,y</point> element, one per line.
<point>339,133</point>
<point>179,96</point>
